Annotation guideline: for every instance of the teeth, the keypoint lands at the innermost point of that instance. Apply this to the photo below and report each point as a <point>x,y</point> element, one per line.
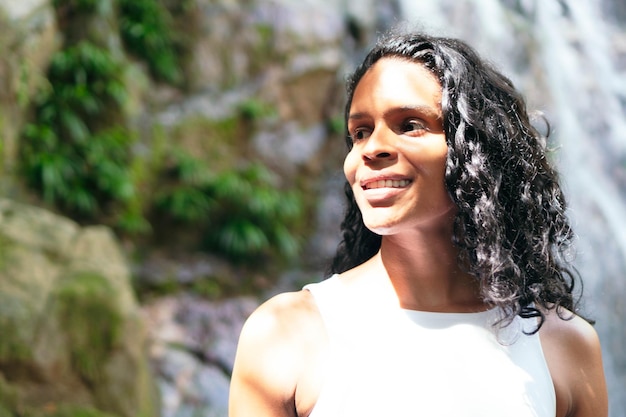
<point>387,184</point>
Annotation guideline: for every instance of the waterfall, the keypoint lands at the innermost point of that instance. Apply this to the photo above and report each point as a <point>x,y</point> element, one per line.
<point>565,57</point>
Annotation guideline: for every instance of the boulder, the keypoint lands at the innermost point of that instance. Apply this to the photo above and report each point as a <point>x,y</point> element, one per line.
<point>72,332</point>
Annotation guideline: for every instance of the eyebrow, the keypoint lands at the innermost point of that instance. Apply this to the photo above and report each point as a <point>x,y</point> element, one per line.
<point>427,111</point>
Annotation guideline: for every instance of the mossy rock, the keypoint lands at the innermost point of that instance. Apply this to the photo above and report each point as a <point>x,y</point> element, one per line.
<point>92,321</point>
<point>72,331</point>
<point>53,410</point>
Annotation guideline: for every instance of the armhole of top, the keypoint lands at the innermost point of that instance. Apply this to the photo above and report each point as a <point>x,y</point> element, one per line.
<point>546,368</point>
<point>325,296</point>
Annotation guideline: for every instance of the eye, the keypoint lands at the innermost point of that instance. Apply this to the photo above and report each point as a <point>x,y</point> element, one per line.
<point>360,133</point>
<point>413,125</point>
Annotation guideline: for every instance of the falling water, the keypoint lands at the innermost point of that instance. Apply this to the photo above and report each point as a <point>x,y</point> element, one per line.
<point>565,57</point>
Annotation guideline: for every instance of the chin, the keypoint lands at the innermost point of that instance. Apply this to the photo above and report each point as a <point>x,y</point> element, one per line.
<point>391,225</point>
<point>379,228</point>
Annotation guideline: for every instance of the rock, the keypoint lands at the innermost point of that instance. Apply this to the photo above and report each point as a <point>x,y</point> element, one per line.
<point>212,389</point>
<point>28,38</point>
<point>193,349</point>
<point>37,229</point>
<point>192,388</point>
<point>291,143</point>
<point>16,10</point>
<point>72,332</point>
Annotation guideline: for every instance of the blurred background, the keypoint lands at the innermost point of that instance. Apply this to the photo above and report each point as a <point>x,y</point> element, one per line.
<point>167,165</point>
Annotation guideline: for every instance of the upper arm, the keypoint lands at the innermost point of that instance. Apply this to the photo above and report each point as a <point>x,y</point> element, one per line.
<point>589,386</point>
<point>572,350</point>
<point>268,361</point>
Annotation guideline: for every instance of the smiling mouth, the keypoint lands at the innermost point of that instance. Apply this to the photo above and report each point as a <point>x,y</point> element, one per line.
<point>386,184</point>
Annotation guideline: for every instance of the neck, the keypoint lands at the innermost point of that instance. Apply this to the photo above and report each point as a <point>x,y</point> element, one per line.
<point>423,269</point>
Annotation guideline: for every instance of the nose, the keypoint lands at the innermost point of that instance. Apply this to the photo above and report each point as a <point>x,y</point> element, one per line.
<point>379,146</point>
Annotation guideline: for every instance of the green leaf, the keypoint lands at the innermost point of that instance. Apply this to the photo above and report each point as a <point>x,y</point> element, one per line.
<point>75,126</point>
<point>52,175</point>
<point>286,243</point>
<point>186,203</point>
<point>241,237</point>
<point>81,200</point>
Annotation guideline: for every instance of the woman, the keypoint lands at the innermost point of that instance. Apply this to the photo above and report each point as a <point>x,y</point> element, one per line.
<point>450,294</point>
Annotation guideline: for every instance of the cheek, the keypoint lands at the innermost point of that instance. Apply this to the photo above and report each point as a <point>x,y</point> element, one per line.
<point>431,159</point>
<point>349,167</point>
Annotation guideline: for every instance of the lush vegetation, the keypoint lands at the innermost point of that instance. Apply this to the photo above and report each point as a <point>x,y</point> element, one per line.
<point>79,149</point>
<point>73,152</point>
<point>146,31</point>
<point>242,215</point>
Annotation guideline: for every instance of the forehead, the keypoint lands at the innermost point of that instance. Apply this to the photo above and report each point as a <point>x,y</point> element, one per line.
<point>398,81</point>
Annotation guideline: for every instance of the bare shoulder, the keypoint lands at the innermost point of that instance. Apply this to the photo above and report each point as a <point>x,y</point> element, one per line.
<point>281,315</point>
<point>273,346</point>
<point>574,334</point>
<point>573,353</point>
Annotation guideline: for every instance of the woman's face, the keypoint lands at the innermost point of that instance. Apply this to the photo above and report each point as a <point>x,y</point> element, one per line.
<point>397,164</point>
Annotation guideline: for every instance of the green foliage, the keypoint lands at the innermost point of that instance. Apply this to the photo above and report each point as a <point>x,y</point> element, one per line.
<point>336,125</point>
<point>253,110</point>
<point>132,221</point>
<point>244,216</point>
<point>186,199</point>
<point>253,216</point>
<point>146,30</point>
<point>74,153</point>
<point>88,309</point>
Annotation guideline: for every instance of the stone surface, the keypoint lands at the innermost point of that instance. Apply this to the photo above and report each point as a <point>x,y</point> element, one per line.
<point>193,343</point>
<point>21,9</point>
<point>47,261</point>
<point>28,38</point>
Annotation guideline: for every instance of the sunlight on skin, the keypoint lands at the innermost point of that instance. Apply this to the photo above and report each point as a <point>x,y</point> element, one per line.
<point>580,390</point>
<point>396,169</point>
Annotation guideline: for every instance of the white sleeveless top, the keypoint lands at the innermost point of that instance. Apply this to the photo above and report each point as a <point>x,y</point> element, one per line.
<point>391,362</point>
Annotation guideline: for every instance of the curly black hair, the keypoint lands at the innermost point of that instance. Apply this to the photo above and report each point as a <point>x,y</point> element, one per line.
<point>511,227</point>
